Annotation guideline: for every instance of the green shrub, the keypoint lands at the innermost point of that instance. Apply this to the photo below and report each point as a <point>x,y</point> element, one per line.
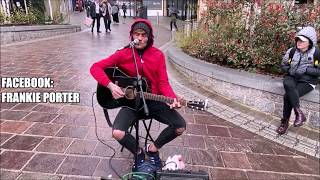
<point>38,9</point>
<point>2,18</point>
<point>20,17</point>
<point>40,17</point>
<point>256,42</point>
<point>193,44</point>
<point>275,31</point>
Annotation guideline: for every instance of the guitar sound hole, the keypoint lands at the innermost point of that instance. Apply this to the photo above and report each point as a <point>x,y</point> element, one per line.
<point>130,92</point>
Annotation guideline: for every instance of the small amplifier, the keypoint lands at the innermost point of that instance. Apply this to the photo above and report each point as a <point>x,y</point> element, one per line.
<point>182,175</point>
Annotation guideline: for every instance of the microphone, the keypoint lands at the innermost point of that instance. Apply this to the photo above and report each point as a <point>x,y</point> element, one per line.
<point>134,42</point>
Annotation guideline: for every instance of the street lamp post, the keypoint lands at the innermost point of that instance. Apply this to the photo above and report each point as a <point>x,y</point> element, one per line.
<point>135,8</point>
<point>188,24</point>
<point>25,6</point>
<point>130,7</point>
<point>50,10</point>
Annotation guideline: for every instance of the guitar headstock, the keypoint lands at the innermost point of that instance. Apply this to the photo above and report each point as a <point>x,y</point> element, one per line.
<point>199,105</point>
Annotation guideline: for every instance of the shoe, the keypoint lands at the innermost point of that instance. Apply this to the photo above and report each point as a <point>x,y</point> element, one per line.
<point>98,31</point>
<point>109,29</point>
<point>140,160</point>
<point>283,126</point>
<point>154,158</point>
<point>300,117</point>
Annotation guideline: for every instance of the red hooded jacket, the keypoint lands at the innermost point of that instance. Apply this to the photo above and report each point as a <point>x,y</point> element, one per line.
<point>151,65</point>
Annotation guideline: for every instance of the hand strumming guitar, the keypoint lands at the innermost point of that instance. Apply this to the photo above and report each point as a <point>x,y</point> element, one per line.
<point>115,90</point>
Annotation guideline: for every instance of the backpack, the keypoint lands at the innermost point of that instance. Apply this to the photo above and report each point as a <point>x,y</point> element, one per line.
<point>316,56</point>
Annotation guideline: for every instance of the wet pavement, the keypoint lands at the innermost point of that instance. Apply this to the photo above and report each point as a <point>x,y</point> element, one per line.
<point>59,140</point>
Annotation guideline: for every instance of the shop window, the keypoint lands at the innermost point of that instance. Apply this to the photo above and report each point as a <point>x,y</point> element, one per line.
<point>301,2</point>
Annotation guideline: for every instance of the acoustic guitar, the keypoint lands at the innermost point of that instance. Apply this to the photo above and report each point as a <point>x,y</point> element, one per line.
<point>132,95</point>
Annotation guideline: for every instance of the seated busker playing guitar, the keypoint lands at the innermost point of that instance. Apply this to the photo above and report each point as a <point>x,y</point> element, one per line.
<point>151,66</point>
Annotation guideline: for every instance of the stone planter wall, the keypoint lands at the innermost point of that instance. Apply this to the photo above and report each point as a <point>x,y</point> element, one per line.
<point>260,92</point>
<point>13,34</point>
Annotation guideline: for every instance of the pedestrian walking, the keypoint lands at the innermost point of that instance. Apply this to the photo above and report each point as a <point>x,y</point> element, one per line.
<point>95,13</point>
<point>173,18</point>
<point>115,13</point>
<point>301,63</point>
<point>74,4</point>
<point>124,9</point>
<point>79,5</point>
<point>106,14</point>
<point>87,4</point>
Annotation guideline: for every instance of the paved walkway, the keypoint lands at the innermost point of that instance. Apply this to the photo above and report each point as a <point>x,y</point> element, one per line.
<point>58,141</point>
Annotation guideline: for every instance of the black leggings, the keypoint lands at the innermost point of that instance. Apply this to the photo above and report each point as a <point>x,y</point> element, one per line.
<point>293,91</point>
<point>97,18</point>
<point>175,25</point>
<point>157,110</point>
<point>115,17</point>
<point>107,22</point>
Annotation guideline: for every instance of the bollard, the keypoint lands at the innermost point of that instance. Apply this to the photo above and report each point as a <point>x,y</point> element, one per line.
<point>158,18</point>
<point>173,35</point>
<point>187,28</point>
<point>194,25</point>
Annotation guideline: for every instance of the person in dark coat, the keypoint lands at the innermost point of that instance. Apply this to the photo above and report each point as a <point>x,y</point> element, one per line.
<point>87,5</point>
<point>95,14</point>
<point>173,18</point>
<point>115,13</point>
<point>106,14</point>
<point>124,9</point>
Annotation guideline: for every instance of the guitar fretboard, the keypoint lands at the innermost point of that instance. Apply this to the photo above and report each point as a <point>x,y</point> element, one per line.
<point>161,98</point>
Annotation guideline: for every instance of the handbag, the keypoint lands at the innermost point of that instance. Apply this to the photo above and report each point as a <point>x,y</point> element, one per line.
<point>88,21</point>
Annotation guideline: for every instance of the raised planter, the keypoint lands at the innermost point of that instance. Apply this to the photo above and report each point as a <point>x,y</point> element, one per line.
<point>260,92</point>
<point>13,34</point>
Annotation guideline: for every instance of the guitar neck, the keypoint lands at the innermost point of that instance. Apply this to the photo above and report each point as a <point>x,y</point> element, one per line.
<point>161,98</point>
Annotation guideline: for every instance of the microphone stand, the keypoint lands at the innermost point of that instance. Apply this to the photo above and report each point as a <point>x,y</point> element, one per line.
<point>139,81</point>
<point>145,107</point>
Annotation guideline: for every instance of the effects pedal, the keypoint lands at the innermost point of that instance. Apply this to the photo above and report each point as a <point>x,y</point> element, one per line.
<point>181,175</point>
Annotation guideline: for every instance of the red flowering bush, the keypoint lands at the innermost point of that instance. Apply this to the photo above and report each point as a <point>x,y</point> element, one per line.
<point>250,35</point>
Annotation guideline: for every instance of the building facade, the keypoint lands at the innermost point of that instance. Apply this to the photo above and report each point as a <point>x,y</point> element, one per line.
<point>187,8</point>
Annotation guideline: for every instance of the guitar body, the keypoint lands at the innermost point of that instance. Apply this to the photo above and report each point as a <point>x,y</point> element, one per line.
<point>131,98</point>
<point>129,84</point>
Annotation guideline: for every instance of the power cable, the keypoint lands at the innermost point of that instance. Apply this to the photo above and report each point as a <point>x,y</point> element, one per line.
<point>102,141</point>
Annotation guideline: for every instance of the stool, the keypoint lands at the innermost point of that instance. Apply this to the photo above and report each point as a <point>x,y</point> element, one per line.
<point>146,127</point>
<point>136,126</point>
